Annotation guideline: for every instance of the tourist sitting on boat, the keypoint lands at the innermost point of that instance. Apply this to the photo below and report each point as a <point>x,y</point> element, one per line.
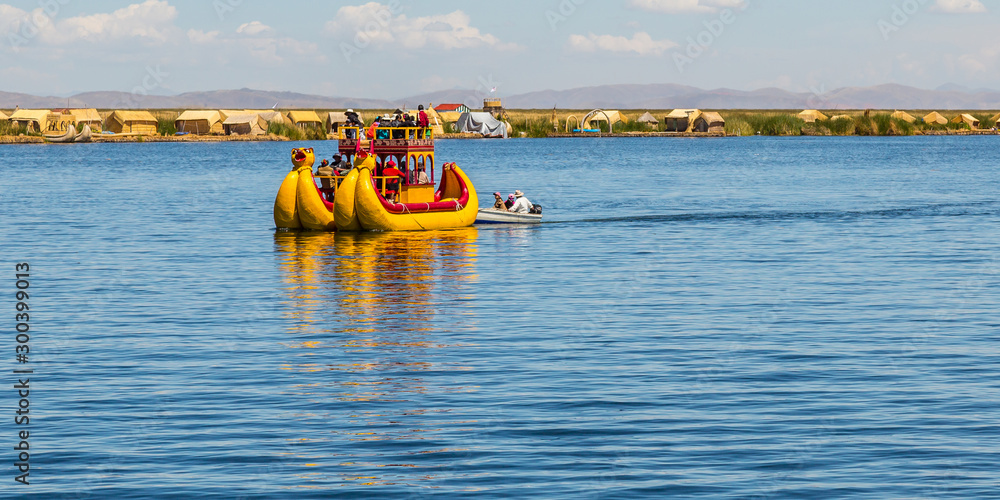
<point>408,121</point>
<point>498,203</point>
<point>392,185</point>
<point>382,130</point>
<point>340,166</point>
<point>325,171</point>
<point>510,201</point>
<point>521,205</point>
<point>422,176</point>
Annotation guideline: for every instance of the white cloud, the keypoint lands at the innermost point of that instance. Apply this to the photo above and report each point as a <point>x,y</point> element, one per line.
<point>151,21</point>
<point>254,28</point>
<point>259,41</point>
<point>959,6</point>
<point>685,6</point>
<point>202,37</point>
<point>375,23</point>
<point>640,43</point>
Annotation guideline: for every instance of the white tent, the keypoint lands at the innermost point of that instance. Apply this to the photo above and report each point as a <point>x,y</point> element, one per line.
<point>481,123</point>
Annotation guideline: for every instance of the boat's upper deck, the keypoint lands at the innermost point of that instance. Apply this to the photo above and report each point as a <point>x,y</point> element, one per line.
<point>388,140</point>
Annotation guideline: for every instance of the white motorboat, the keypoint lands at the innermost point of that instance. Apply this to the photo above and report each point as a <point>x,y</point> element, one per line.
<point>493,216</point>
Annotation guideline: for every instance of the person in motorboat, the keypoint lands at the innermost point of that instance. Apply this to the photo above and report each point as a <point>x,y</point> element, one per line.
<point>510,201</point>
<point>521,205</point>
<point>498,203</point>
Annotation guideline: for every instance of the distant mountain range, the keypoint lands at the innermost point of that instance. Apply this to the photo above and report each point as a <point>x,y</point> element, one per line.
<point>655,96</point>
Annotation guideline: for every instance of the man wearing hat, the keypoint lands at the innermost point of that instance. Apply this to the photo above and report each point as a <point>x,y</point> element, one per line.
<point>521,204</point>
<point>340,166</point>
<point>352,121</point>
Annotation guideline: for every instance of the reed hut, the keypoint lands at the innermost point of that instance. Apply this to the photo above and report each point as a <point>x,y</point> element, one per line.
<point>995,121</point>
<point>902,115</point>
<point>200,122</point>
<point>609,116</point>
<point>709,121</point>
<point>131,122</point>
<point>88,116</point>
<point>935,118</point>
<point>967,119</point>
<point>335,120</point>
<point>60,120</point>
<point>244,124</point>
<point>305,119</point>
<point>681,120</point>
<point>36,120</point>
<point>841,117</point>
<point>3,116</point>
<point>648,119</point>
<point>812,116</point>
<point>270,116</point>
<point>434,119</point>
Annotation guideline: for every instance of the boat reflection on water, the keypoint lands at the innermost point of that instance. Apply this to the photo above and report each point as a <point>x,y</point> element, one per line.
<point>371,319</point>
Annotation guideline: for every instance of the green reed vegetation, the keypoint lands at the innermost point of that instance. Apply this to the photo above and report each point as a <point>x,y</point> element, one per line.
<point>286,130</point>
<point>165,126</point>
<point>9,128</point>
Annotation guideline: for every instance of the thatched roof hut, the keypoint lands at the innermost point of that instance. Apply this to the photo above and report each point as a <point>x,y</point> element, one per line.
<point>841,117</point>
<point>200,122</point>
<point>32,119</point>
<point>60,121</point>
<point>244,124</point>
<point>131,122</point>
<point>609,116</point>
<point>709,121</point>
<point>681,120</point>
<point>812,116</point>
<point>335,120</point>
<point>967,119</point>
<point>648,119</point>
<point>3,116</point>
<point>935,117</point>
<point>903,115</point>
<point>305,119</point>
<point>269,116</point>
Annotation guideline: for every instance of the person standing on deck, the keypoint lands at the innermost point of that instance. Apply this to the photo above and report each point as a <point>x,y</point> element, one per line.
<point>422,120</point>
<point>522,205</point>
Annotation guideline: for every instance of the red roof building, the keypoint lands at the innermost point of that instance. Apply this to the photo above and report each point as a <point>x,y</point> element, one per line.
<point>460,108</point>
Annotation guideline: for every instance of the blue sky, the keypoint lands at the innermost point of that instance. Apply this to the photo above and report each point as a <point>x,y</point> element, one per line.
<point>395,48</point>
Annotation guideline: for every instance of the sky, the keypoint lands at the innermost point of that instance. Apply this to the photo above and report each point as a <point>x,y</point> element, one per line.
<point>396,48</point>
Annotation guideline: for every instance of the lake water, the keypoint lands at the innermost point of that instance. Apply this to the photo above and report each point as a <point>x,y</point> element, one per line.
<point>732,318</point>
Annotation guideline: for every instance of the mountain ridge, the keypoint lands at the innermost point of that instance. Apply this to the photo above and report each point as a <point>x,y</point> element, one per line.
<point>623,96</point>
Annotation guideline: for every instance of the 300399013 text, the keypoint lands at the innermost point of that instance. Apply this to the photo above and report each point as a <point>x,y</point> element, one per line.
<point>22,372</point>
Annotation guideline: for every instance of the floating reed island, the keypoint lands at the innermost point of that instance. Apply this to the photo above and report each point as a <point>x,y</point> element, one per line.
<point>203,125</point>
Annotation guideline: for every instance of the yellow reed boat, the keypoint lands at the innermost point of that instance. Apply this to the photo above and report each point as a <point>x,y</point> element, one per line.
<point>391,187</point>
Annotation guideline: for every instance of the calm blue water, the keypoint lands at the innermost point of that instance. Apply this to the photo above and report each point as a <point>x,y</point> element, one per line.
<point>738,318</point>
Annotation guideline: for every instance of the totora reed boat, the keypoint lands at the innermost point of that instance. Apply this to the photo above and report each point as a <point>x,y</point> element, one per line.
<point>386,190</point>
